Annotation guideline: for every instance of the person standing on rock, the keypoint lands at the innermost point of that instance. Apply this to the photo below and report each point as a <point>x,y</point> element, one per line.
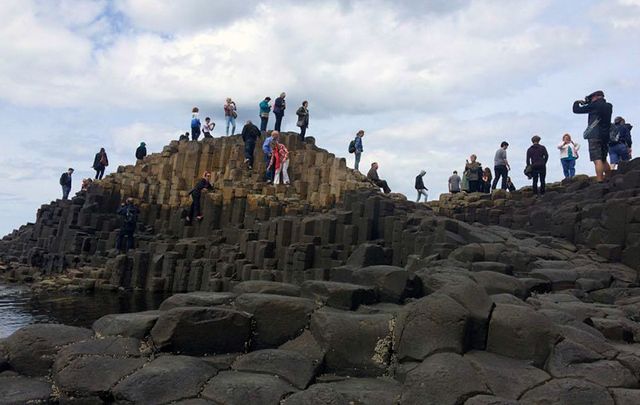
<point>486,180</point>
<point>250,135</point>
<point>207,128</point>
<point>65,182</point>
<point>473,173</point>
<point>230,115</point>
<point>303,119</point>
<point>100,162</point>
<point>420,188</point>
<point>357,148</point>
<point>196,193</point>
<point>501,166</point>
<point>141,151</point>
<point>278,110</point>
<point>568,156</point>
<point>280,162</point>
<point>267,150</point>
<point>265,110</point>
<point>597,133</point>
<point>537,158</point>
<point>454,182</point>
<point>195,124</point>
<point>620,143</point>
<point>375,179</point>
<point>129,212</point>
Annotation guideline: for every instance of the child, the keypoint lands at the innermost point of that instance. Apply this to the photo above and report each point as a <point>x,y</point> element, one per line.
<point>195,124</point>
<point>207,128</point>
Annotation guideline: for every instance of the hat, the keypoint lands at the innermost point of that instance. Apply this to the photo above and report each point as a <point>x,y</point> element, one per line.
<point>143,144</point>
<point>597,93</point>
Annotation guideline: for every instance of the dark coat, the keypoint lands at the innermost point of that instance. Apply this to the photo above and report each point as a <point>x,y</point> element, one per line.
<point>598,109</point>
<point>419,183</point>
<point>97,161</point>
<point>250,133</point>
<point>200,185</point>
<point>279,106</point>
<point>141,152</point>
<point>537,155</point>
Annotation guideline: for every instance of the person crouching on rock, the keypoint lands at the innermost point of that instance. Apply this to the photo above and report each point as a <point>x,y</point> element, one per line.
<point>195,194</point>
<point>373,177</point>
<point>129,212</point>
<point>280,160</point>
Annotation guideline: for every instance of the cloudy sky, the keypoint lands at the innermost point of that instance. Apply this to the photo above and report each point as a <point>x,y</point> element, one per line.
<point>430,81</point>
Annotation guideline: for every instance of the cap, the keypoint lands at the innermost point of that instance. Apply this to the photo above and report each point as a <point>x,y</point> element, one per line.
<point>597,93</point>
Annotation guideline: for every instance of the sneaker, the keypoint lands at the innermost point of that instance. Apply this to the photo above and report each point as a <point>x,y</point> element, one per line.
<point>188,219</point>
<point>199,218</point>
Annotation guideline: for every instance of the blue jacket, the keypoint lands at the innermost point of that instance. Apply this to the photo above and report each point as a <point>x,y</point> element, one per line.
<point>264,106</point>
<point>266,146</point>
<point>195,123</point>
<point>359,148</point>
<point>624,134</point>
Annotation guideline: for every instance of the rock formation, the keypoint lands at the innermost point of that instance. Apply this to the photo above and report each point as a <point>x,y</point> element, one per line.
<point>328,292</point>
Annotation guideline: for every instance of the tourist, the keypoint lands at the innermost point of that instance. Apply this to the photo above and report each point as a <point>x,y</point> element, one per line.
<point>266,149</point>
<point>568,156</point>
<point>196,193</point>
<point>357,147</point>
<point>184,137</point>
<point>141,151</point>
<point>86,183</point>
<point>100,162</point>
<point>597,132</point>
<point>280,162</point>
<point>278,110</point>
<point>129,212</point>
<point>486,180</point>
<point>420,188</point>
<point>373,177</point>
<point>510,185</point>
<point>303,118</point>
<point>454,182</point>
<point>65,182</point>
<point>230,115</point>
<point>620,145</point>
<point>473,173</point>
<point>250,135</point>
<point>501,166</point>
<point>265,109</point>
<point>195,124</point>
<point>207,128</point>
<point>537,158</point>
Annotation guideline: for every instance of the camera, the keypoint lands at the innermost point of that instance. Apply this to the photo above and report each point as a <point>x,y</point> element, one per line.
<point>587,99</point>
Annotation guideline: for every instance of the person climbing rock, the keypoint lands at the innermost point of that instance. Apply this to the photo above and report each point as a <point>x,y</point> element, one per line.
<point>250,135</point>
<point>100,162</point>
<point>230,115</point>
<point>195,124</point>
<point>420,188</point>
<point>129,212</point>
<point>375,179</point>
<point>267,151</point>
<point>265,110</point>
<point>65,182</point>
<point>141,152</point>
<point>303,118</point>
<point>184,137</point>
<point>196,193</point>
<point>280,162</point>
<point>278,110</point>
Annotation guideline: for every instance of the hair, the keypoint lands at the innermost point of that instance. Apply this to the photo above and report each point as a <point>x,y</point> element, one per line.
<point>504,143</point>
<point>374,163</point>
<point>535,139</point>
<point>70,169</point>
<point>455,172</point>
<point>473,156</point>
<point>268,98</point>
<point>275,133</point>
<point>360,132</point>
<point>567,135</point>
<point>207,119</point>
<point>619,120</point>
<point>305,102</point>
<point>229,99</point>
<point>206,173</point>
<point>283,94</point>
<point>487,170</point>
<point>187,133</point>
<point>249,122</point>
<point>102,150</point>
<point>195,110</point>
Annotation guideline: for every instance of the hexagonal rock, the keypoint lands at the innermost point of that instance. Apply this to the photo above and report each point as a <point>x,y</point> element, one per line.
<point>567,391</point>
<point>267,287</point>
<point>197,299</point>
<point>444,378</point>
<point>356,344</point>
<point>490,400</point>
<point>625,396</point>
<point>370,391</point>
<point>94,375</point>
<point>435,323</point>
<point>165,379</point>
<point>506,377</point>
<point>520,332</point>
<point>31,349</point>
<point>202,330</point>
<point>394,283</point>
<point>21,390</point>
<point>109,346</point>
<point>292,367</point>
<point>136,324</point>
<point>277,318</point>
<point>496,283</point>
<point>339,295</point>
<point>561,279</point>
<point>232,387</point>
<point>307,346</point>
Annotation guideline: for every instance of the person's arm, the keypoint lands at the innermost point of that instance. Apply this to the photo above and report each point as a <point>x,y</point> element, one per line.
<point>546,155</point>
<point>579,108</point>
<point>449,184</point>
<point>561,145</point>
<point>528,159</point>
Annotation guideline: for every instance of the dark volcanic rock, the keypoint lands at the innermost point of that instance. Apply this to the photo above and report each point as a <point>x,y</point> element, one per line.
<point>94,375</point>
<point>370,391</point>
<point>18,390</point>
<point>109,346</point>
<point>135,325</point>
<point>232,387</point>
<point>267,287</point>
<point>196,299</point>
<point>292,367</point>
<point>339,295</point>
<point>394,284</point>
<point>568,391</point>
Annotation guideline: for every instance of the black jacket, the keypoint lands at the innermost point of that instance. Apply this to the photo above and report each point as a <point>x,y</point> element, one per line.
<point>141,152</point>
<point>200,185</point>
<point>537,156</point>
<point>129,212</point>
<point>250,133</point>
<point>624,134</point>
<point>65,179</point>
<point>419,183</point>
<point>598,109</point>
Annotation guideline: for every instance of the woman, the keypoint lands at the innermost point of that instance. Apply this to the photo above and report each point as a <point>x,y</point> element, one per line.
<point>230,115</point>
<point>195,194</point>
<point>303,119</point>
<point>280,160</point>
<point>620,148</point>
<point>568,156</point>
<point>265,109</point>
<point>100,162</point>
<point>473,172</point>
<point>486,180</point>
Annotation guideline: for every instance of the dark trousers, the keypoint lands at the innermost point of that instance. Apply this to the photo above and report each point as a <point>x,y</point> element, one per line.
<point>474,186</point>
<point>269,173</point>
<point>303,131</point>
<point>538,173</point>
<point>383,185</point>
<point>99,172</point>
<point>249,147</point>
<point>125,232</point>
<point>194,211</point>
<point>195,133</point>
<point>500,171</point>
<point>207,135</point>
<point>278,121</point>
<point>65,192</point>
<point>263,123</point>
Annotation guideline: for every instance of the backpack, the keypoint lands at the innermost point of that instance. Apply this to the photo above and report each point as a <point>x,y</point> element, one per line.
<point>352,146</point>
<point>63,179</point>
<point>614,134</point>
<point>130,216</point>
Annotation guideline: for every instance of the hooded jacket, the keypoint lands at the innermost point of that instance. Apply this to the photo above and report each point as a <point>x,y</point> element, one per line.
<point>598,109</point>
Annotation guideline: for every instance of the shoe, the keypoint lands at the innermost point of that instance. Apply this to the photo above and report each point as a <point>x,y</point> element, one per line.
<point>199,218</point>
<point>188,219</point>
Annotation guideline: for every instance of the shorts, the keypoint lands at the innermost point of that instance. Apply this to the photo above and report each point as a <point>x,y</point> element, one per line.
<point>619,152</point>
<point>598,150</point>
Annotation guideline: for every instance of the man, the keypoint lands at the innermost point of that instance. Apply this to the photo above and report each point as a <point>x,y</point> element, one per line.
<point>620,146</point>
<point>129,212</point>
<point>373,176</point>
<point>537,157</point>
<point>266,149</point>
<point>141,152</point>
<point>454,182</point>
<point>65,182</point>
<point>598,109</point>
<point>250,134</point>
<point>420,188</point>
<point>278,110</point>
<point>359,149</point>
<point>501,166</point>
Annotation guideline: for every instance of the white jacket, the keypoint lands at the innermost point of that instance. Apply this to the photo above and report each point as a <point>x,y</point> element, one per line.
<point>564,149</point>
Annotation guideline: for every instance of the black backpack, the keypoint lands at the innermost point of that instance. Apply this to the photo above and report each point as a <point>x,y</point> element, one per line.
<point>614,134</point>
<point>63,179</point>
<point>130,217</point>
<point>352,146</point>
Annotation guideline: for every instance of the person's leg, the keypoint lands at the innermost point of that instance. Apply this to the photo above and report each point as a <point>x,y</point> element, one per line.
<point>565,167</point>
<point>65,192</point>
<point>101,173</point>
<point>97,173</point>
<point>278,122</point>
<point>276,178</point>
<point>192,209</point>
<point>505,173</point>
<point>233,126</point>
<point>263,124</point>
<point>129,239</point>
<point>267,175</point>
<point>285,172</point>
<point>496,171</point>
<point>197,213</point>
<point>227,118</point>
<point>534,176</point>
<point>385,186</point>
<point>543,175</point>
<point>572,167</point>
<point>357,163</point>
<point>303,131</point>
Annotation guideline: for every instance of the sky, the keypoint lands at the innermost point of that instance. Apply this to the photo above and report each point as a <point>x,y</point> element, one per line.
<point>430,81</point>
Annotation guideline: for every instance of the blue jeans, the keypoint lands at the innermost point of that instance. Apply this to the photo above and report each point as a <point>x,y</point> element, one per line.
<point>618,152</point>
<point>232,121</point>
<point>249,147</point>
<point>65,192</point>
<point>358,154</point>
<point>422,192</point>
<point>263,123</point>
<point>269,173</point>
<point>568,167</point>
